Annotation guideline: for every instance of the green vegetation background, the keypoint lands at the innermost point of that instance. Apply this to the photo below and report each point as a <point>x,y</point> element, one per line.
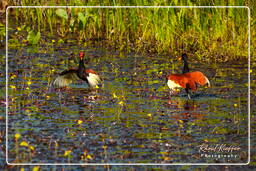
<point>217,34</point>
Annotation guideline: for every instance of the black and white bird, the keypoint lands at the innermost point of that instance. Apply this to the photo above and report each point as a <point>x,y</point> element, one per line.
<point>68,76</point>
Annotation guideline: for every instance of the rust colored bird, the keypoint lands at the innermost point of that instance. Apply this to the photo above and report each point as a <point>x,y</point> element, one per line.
<point>187,80</point>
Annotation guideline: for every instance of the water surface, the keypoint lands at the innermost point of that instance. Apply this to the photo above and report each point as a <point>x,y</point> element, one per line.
<point>132,118</point>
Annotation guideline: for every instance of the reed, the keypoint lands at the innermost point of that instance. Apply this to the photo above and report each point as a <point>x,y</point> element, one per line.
<point>213,32</point>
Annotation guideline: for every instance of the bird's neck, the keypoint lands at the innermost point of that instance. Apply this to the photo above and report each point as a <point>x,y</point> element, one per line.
<point>81,65</point>
<point>81,69</point>
<point>185,67</point>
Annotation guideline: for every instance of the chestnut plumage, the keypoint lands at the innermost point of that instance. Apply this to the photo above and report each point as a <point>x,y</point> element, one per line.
<point>187,80</point>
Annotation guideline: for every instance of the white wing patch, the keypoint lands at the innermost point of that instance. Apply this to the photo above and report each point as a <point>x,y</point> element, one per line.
<point>93,80</point>
<point>60,81</point>
<point>207,81</point>
<point>172,85</point>
<point>64,80</point>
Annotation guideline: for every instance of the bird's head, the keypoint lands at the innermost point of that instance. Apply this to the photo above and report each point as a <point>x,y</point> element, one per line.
<point>184,56</point>
<point>82,58</point>
<point>81,55</point>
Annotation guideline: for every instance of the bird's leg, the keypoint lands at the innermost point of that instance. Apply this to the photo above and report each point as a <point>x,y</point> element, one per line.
<point>188,93</point>
<point>189,96</point>
<point>170,92</point>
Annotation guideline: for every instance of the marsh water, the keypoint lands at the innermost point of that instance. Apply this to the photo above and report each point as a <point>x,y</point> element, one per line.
<point>132,118</point>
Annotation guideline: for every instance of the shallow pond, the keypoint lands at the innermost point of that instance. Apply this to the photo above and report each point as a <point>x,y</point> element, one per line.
<point>132,119</point>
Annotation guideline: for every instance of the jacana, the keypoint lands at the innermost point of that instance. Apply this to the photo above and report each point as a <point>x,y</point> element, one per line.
<point>68,76</point>
<point>187,80</point>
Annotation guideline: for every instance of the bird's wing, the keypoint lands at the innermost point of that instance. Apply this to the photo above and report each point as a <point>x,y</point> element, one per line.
<point>93,78</point>
<point>90,71</point>
<point>65,78</point>
<point>177,80</point>
<point>187,80</point>
<point>198,77</point>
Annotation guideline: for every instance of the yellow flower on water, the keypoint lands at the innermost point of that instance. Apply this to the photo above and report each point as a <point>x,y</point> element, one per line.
<point>149,115</point>
<point>181,121</point>
<point>17,136</point>
<point>29,82</point>
<point>47,97</point>
<point>36,168</point>
<point>235,105</point>
<point>24,143</point>
<point>31,147</point>
<point>114,95</point>
<point>177,89</point>
<point>121,103</point>
<point>13,76</point>
<point>104,147</point>
<point>97,86</point>
<point>79,122</point>
<point>18,28</point>
<point>13,86</point>
<point>53,41</point>
<point>22,169</point>
<point>67,153</point>
<point>27,88</point>
<point>250,70</point>
<point>89,157</point>
<point>164,153</point>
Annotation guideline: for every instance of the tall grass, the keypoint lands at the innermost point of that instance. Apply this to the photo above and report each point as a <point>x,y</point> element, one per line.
<point>212,32</point>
